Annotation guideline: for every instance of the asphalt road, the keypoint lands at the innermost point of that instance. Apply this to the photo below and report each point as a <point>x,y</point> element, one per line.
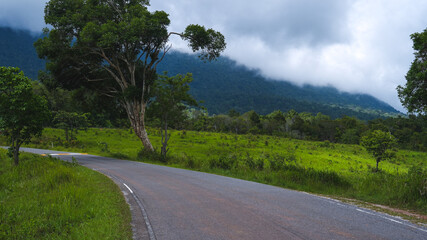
<point>180,204</point>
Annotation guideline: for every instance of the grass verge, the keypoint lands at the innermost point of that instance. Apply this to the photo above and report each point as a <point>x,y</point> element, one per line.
<point>45,198</point>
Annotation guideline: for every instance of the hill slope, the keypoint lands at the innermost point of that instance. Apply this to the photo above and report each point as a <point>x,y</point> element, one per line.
<point>17,50</point>
<point>223,84</point>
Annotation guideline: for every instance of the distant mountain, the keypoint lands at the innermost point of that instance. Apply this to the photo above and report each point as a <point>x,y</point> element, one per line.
<point>223,84</point>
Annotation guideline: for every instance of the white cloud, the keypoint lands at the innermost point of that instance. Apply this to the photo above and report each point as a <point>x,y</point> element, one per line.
<point>23,14</point>
<point>357,46</point>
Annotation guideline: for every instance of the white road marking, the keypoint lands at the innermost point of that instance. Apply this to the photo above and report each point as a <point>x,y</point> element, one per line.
<point>150,230</point>
<point>339,203</point>
<point>151,234</point>
<point>130,190</point>
<point>390,219</point>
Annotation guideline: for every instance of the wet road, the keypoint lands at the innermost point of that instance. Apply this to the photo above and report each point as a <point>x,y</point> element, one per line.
<point>182,204</point>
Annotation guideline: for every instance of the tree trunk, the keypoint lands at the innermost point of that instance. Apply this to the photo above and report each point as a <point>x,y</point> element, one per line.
<point>165,139</point>
<point>143,136</point>
<point>136,114</point>
<point>66,134</point>
<point>16,155</point>
<point>377,164</point>
<point>15,150</point>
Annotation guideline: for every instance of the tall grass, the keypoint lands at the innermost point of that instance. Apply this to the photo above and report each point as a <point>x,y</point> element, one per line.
<point>408,190</point>
<point>45,198</point>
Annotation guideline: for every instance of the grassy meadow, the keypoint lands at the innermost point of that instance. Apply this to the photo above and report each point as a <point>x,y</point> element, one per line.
<point>318,167</point>
<point>45,198</point>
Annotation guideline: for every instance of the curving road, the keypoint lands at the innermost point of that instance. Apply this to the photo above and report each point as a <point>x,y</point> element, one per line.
<point>170,203</point>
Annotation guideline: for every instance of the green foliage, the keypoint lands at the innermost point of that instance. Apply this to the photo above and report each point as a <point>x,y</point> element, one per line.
<point>411,131</point>
<point>44,198</point>
<point>101,111</point>
<point>117,45</point>
<point>407,190</point>
<point>22,113</point>
<point>70,122</point>
<point>380,144</point>
<point>104,146</point>
<point>171,99</point>
<point>414,94</point>
<point>210,42</point>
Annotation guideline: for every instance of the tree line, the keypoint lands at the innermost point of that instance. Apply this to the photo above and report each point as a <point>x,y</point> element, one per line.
<point>410,132</point>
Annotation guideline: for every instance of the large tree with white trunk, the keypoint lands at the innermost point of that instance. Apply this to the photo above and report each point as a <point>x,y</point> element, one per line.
<point>115,46</point>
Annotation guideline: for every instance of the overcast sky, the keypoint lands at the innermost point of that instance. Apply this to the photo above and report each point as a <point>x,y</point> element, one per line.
<point>359,46</point>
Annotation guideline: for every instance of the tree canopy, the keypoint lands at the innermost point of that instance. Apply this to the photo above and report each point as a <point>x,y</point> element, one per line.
<point>380,144</point>
<point>171,101</point>
<point>22,113</point>
<point>115,47</point>
<point>414,94</point>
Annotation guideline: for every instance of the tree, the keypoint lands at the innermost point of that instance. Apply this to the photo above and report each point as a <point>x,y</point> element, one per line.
<point>70,122</point>
<point>171,100</point>
<point>380,144</point>
<point>115,45</point>
<point>22,113</point>
<point>414,94</point>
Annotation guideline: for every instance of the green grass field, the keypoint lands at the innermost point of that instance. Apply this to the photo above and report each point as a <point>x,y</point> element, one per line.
<point>45,198</point>
<point>318,167</point>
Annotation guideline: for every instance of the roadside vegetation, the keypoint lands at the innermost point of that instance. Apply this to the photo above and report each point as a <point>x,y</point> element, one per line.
<point>45,198</point>
<point>323,167</point>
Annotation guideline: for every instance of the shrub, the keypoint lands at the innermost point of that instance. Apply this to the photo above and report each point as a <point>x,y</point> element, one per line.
<point>225,161</point>
<point>416,185</point>
<point>144,154</point>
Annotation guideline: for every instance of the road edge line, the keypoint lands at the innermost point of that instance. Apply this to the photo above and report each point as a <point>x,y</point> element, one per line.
<point>151,234</point>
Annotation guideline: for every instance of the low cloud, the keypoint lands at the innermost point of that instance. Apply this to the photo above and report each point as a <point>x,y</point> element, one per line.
<point>356,46</point>
<point>23,14</point>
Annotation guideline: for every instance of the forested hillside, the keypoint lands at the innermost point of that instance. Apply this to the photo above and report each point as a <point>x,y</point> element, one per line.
<point>223,84</point>
<point>17,50</point>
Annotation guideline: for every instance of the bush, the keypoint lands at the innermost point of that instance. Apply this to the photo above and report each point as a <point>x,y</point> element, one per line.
<point>407,189</point>
<point>144,155</point>
<point>225,161</point>
<point>416,185</point>
<point>253,163</point>
<point>304,176</point>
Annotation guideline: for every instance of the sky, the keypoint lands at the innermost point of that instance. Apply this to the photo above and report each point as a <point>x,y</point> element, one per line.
<point>357,46</point>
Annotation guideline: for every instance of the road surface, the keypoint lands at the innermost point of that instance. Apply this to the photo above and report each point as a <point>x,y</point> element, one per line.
<point>170,203</point>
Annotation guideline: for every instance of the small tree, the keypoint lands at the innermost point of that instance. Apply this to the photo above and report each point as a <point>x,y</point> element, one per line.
<point>380,144</point>
<point>22,113</point>
<point>70,122</point>
<point>171,99</point>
